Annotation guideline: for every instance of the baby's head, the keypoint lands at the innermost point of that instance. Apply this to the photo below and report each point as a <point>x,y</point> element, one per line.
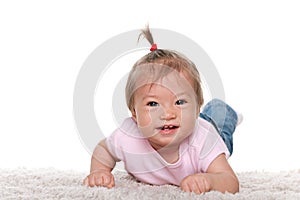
<point>164,95</point>
<point>156,65</point>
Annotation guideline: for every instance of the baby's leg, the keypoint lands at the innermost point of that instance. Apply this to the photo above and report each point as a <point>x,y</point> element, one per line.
<point>224,119</point>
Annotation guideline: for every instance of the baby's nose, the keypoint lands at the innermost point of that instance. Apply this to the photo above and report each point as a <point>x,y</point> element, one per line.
<point>168,114</point>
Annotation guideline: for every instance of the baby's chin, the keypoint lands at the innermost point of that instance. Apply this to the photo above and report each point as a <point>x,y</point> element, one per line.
<point>160,143</point>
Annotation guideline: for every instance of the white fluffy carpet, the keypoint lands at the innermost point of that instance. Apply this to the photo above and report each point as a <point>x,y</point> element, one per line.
<point>56,184</point>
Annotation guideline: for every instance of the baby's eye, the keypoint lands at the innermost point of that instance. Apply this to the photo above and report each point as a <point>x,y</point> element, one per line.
<point>152,104</point>
<point>180,102</point>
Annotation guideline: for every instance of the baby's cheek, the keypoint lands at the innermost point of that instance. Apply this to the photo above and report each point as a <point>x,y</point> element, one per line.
<point>188,118</point>
<point>149,117</point>
<point>145,125</point>
<point>144,120</point>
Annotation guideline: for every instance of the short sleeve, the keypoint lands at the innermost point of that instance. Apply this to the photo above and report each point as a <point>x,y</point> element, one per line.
<point>213,146</point>
<point>112,146</point>
<point>124,141</point>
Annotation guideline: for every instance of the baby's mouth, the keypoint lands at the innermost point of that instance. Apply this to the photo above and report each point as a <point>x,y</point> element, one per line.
<point>168,127</point>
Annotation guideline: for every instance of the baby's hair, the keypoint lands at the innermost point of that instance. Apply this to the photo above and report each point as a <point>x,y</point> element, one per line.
<point>150,66</point>
<point>147,34</point>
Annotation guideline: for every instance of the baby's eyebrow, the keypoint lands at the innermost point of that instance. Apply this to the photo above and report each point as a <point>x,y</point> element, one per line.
<point>181,94</point>
<point>150,96</point>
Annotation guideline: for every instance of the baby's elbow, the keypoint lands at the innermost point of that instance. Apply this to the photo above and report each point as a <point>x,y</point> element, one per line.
<point>232,184</point>
<point>238,186</point>
<point>235,186</point>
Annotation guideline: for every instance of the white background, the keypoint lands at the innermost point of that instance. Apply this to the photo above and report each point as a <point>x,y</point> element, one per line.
<point>255,46</point>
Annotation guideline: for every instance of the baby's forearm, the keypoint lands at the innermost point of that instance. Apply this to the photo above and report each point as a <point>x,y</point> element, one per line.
<point>102,159</point>
<point>102,163</point>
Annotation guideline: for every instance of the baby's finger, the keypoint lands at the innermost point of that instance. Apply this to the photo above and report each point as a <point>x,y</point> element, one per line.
<point>98,180</point>
<point>184,186</point>
<point>91,180</point>
<point>111,183</point>
<point>200,186</point>
<point>194,187</point>
<point>106,180</point>
<point>86,181</point>
<point>207,186</point>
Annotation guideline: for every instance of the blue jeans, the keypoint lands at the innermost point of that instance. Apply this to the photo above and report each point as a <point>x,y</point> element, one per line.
<point>224,119</point>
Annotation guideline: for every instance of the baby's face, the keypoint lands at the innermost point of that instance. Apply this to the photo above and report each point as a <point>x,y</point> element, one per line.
<point>166,111</point>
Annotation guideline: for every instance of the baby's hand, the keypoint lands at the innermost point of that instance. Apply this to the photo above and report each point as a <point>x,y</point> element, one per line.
<point>197,183</point>
<point>100,178</point>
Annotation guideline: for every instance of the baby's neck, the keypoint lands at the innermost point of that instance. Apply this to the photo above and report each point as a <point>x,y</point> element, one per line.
<point>170,154</point>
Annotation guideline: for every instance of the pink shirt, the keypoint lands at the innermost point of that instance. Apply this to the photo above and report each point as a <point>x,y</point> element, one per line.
<point>195,153</point>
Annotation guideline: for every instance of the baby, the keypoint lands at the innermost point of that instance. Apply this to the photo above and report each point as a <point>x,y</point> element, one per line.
<point>167,140</point>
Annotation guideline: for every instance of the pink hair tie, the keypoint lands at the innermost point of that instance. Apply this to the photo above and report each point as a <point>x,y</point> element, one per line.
<point>153,47</point>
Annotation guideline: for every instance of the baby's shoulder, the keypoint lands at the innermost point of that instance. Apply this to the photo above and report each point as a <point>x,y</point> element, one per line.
<point>203,132</point>
<point>127,131</point>
<point>127,138</point>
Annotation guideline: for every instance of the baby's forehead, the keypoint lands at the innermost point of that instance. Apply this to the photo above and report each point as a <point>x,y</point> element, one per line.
<point>154,88</point>
<point>170,78</point>
<point>175,80</point>
<point>170,83</point>
<point>159,73</point>
<point>162,75</point>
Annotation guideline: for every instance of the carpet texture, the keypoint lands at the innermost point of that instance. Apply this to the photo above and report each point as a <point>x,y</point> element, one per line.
<point>56,184</point>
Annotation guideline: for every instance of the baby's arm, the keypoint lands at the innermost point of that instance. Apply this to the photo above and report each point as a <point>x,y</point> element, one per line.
<point>219,177</point>
<point>102,163</point>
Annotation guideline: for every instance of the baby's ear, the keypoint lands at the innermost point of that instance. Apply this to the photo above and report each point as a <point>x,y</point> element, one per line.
<point>198,111</point>
<point>133,114</point>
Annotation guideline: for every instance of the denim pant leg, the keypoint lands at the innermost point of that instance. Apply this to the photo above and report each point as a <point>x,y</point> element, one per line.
<point>224,119</point>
